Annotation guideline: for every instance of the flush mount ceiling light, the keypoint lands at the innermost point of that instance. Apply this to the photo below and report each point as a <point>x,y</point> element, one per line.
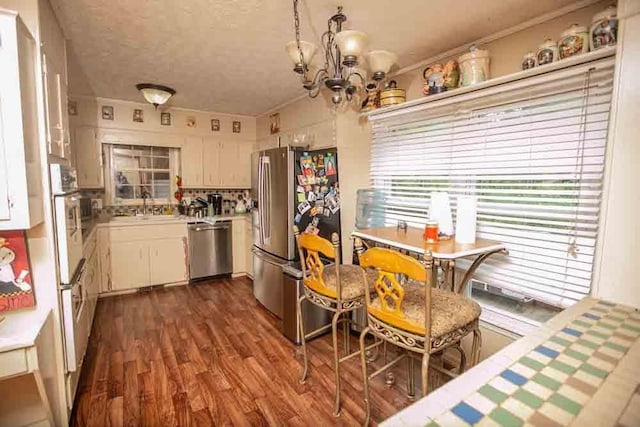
<point>155,94</point>
<point>342,48</point>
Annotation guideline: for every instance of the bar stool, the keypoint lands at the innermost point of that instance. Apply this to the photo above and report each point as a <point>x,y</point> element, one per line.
<point>338,288</point>
<point>409,313</point>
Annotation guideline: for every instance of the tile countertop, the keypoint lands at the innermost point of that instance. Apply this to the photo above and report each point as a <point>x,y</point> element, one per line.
<point>580,368</point>
<point>89,226</point>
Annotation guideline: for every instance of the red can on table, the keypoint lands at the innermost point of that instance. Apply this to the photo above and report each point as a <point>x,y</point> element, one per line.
<point>431,232</point>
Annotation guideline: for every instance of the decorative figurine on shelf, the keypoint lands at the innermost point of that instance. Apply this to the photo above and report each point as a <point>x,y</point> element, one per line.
<point>573,41</point>
<point>372,101</point>
<point>547,52</point>
<point>604,29</point>
<point>439,78</point>
<point>528,61</point>
<point>433,79</point>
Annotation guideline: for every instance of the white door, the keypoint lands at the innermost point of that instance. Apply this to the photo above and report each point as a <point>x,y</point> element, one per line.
<point>88,154</point>
<point>129,265</point>
<point>192,162</point>
<point>168,260</point>
<point>211,158</point>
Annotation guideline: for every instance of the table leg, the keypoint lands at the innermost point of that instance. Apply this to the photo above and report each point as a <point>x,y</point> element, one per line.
<point>462,285</point>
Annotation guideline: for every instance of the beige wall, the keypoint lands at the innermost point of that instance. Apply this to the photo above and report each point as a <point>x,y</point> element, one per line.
<point>618,269</point>
<point>90,114</point>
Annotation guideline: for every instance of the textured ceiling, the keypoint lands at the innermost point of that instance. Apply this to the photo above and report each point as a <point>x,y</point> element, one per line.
<point>228,55</point>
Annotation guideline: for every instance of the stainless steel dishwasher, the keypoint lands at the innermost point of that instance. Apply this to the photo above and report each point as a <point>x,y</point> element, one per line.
<point>210,250</point>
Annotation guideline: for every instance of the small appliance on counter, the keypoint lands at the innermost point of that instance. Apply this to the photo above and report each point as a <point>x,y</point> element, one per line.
<point>215,200</point>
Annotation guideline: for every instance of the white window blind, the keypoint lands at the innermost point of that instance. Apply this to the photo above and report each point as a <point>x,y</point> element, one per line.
<point>532,151</point>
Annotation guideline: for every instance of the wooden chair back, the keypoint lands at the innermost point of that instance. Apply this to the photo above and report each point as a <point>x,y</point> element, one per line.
<point>391,265</point>
<point>310,247</point>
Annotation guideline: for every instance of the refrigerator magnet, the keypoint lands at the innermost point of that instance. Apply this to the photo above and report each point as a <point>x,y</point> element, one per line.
<point>320,162</point>
<point>312,196</point>
<point>297,218</point>
<point>327,212</point>
<point>315,221</point>
<point>302,180</point>
<point>330,165</point>
<point>304,207</point>
<point>320,173</point>
<point>301,197</point>
<point>300,188</point>
<point>314,211</point>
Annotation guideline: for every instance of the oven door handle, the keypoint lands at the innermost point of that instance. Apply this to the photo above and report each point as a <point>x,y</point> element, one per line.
<point>77,276</point>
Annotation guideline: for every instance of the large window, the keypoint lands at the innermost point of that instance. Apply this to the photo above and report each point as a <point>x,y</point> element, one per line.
<point>532,151</point>
<point>137,172</point>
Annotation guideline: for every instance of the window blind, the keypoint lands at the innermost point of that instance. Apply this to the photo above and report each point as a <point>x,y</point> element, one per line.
<point>533,153</point>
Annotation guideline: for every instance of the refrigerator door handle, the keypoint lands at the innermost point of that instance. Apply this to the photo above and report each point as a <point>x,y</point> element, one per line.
<point>261,200</point>
<point>267,211</point>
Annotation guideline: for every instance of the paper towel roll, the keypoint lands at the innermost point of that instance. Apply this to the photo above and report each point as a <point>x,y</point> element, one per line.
<point>466,219</point>
<point>441,211</point>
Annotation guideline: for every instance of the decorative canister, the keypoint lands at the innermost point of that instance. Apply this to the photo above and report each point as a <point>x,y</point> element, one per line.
<point>604,28</point>
<point>451,74</point>
<point>392,95</point>
<point>474,66</point>
<point>573,41</point>
<point>528,61</point>
<point>372,101</point>
<point>547,52</point>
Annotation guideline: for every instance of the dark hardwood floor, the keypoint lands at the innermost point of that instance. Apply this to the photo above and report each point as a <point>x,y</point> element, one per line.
<point>209,354</point>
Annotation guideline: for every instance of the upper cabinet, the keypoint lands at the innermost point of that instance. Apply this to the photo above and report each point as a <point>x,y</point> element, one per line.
<point>21,195</point>
<point>55,91</point>
<point>88,158</point>
<point>210,163</point>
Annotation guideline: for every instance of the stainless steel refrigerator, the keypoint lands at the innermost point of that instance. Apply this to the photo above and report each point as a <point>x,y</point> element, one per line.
<point>289,186</point>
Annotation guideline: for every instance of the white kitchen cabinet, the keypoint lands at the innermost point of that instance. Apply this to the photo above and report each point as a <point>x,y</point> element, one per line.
<point>243,171</point>
<point>21,195</point>
<point>168,260</point>
<point>238,244</point>
<point>88,155</point>
<point>248,237</point>
<point>192,162</point>
<point>142,255</point>
<point>211,162</point>
<point>129,265</point>
<point>91,276</point>
<point>55,91</point>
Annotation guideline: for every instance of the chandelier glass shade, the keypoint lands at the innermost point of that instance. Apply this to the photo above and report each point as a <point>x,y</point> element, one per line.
<point>342,71</point>
<point>155,94</point>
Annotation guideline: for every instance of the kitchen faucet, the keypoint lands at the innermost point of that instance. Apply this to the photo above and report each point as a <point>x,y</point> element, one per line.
<point>145,194</point>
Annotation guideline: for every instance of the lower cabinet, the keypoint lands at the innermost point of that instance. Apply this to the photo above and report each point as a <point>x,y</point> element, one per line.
<point>242,244</point>
<point>138,256</point>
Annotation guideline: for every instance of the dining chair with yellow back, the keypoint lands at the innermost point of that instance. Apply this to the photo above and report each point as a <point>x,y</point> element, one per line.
<point>405,309</point>
<point>339,288</point>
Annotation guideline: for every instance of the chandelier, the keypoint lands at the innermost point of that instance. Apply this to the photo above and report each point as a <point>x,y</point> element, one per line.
<point>342,51</point>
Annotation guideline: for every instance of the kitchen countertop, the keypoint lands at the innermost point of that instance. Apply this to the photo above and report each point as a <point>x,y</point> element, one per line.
<point>580,368</point>
<point>89,226</point>
<point>20,329</point>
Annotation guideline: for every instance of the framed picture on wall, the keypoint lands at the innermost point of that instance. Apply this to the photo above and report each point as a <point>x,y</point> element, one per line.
<point>215,125</point>
<point>107,112</point>
<point>73,108</point>
<point>275,123</point>
<point>16,287</point>
<point>236,127</point>
<point>138,115</point>
<point>165,119</point>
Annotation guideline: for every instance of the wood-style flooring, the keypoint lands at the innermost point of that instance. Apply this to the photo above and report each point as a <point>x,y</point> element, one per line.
<point>209,354</point>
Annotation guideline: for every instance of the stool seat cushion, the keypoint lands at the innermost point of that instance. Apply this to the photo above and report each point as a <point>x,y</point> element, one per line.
<point>351,279</point>
<point>449,311</point>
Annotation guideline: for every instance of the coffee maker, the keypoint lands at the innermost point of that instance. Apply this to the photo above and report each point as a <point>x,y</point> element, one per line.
<point>215,200</point>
